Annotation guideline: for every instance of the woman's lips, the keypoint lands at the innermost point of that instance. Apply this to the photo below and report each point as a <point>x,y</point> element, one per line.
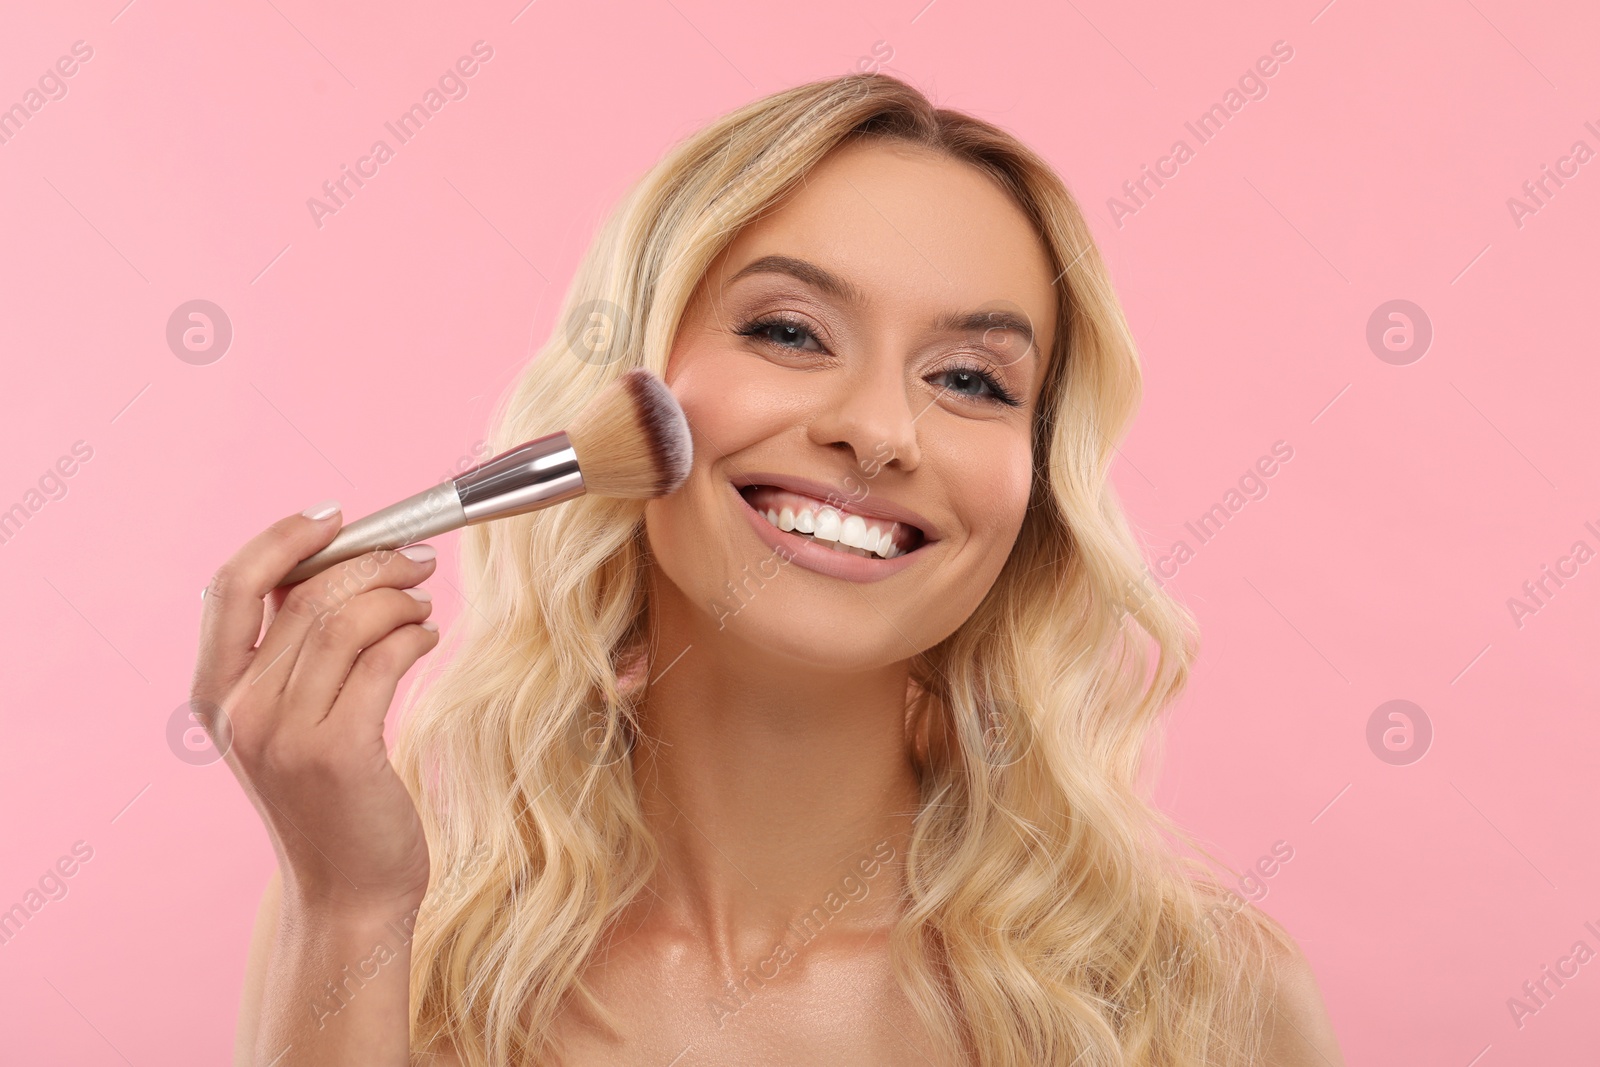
<point>830,521</point>
<point>813,556</point>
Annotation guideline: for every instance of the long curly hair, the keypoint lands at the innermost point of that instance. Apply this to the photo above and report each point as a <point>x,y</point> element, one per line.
<point>1052,913</point>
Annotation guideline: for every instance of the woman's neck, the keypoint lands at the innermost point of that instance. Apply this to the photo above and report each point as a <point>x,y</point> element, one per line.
<point>772,787</point>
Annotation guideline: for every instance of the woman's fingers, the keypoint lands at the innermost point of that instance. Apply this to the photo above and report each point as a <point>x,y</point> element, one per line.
<point>362,704</point>
<point>322,599</point>
<point>274,601</point>
<point>327,593</point>
<point>231,618</point>
<point>333,642</point>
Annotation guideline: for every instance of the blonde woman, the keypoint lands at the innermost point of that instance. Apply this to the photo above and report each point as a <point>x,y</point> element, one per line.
<point>834,755</point>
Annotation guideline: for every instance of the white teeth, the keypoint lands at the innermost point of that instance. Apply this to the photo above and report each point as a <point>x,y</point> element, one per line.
<point>828,525</point>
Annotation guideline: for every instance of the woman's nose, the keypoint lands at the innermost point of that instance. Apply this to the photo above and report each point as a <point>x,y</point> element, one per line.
<point>869,412</point>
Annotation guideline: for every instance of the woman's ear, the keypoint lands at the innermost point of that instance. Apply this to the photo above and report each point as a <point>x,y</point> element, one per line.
<point>927,729</point>
<point>916,731</point>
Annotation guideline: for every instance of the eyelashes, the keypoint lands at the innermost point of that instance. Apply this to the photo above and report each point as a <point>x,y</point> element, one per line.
<point>997,392</point>
<point>792,328</point>
<point>775,322</point>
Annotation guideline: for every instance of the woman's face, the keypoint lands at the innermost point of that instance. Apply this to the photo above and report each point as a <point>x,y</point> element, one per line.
<point>857,363</point>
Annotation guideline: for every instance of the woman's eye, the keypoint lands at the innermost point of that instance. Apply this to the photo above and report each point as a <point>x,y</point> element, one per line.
<point>780,332</point>
<point>975,384</point>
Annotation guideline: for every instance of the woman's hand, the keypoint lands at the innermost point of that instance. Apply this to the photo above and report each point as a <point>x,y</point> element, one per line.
<point>302,712</point>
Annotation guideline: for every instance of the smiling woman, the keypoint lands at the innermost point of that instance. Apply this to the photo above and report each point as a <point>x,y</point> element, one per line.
<point>905,372</point>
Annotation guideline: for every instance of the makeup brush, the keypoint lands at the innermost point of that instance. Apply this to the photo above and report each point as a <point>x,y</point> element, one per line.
<point>631,441</point>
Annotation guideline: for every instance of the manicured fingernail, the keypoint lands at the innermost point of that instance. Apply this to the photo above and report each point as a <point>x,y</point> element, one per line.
<point>322,510</point>
<point>419,553</point>
<point>429,624</point>
<point>420,594</point>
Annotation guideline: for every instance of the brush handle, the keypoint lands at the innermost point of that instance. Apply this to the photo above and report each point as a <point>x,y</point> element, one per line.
<point>526,478</point>
<point>416,518</point>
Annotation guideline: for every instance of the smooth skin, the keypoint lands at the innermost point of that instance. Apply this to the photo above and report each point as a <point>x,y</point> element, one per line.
<point>305,707</point>
<point>774,757</point>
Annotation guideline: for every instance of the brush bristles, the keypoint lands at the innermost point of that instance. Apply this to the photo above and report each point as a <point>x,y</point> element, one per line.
<point>632,440</point>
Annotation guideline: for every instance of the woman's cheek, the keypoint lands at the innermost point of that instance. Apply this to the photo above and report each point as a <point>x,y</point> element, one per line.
<point>722,401</point>
<point>699,379</point>
<point>987,468</point>
<point>1018,485</point>
<point>736,400</point>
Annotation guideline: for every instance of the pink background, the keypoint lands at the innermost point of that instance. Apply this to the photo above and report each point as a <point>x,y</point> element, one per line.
<point>367,353</point>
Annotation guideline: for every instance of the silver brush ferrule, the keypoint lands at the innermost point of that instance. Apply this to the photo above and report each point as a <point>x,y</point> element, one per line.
<point>531,476</point>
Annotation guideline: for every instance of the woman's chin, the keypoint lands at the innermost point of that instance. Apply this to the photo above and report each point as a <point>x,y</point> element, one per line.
<point>816,646</point>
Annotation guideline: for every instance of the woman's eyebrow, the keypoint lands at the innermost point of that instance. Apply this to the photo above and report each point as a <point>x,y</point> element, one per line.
<point>984,321</point>
<point>840,289</point>
<point>809,273</point>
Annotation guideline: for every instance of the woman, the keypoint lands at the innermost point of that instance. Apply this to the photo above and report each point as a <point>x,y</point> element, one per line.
<point>703,783</point>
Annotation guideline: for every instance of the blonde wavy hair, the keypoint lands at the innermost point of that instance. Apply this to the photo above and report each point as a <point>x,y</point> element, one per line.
<point>1052,914</point>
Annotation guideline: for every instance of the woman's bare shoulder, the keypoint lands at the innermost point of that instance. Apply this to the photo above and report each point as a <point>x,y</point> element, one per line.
<point>1299,1030</point>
